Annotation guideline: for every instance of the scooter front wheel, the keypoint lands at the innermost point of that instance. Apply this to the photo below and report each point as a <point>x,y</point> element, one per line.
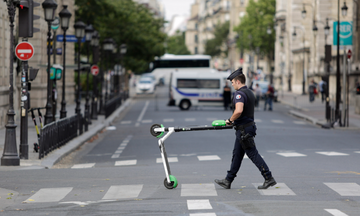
<point>173,182</point>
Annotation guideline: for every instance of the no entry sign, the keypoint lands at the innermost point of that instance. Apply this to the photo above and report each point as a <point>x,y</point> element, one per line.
<point>94,70</point>
<point>24,51</point>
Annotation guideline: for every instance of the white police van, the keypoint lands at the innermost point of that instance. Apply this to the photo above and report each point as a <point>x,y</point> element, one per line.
<point>197,88</point>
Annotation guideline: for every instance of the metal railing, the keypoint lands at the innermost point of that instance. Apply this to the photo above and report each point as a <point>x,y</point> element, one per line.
<point>57,134</point>
<point>112,105</point>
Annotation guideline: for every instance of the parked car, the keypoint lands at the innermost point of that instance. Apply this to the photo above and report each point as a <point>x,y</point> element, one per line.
<point>145,85</point>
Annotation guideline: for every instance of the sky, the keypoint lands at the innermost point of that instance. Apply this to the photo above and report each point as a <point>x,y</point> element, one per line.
<point>176,7</point>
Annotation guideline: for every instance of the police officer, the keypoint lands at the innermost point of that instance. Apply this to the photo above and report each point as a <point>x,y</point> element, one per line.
<point>243,121</point>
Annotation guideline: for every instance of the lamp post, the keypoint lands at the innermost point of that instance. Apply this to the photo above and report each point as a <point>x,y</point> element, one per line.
<point>123,50</point>
<point>108,46</point>
<point>303,40</point>
<point>88,37</point>
<point>49,10</point>
<point>95,46</point>
<point>269,32</point>
<point>65,21</point>
<point>79,34</point>
<point>10,155</point>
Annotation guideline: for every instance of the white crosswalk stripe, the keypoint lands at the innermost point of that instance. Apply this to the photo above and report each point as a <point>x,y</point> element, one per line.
<point>198,204</point>
<point>277,190</point>
<point>198,190</point>
<point>332,153</point>
<point>82,166</point>
<point>336,212</point>
<point>123,192</point>
<point>203,214</point>
<point>125,163</point>
<point>168,120</point>
<point>357,152</point>
<point>49,195</point>
<point>345,189</point>
<point>208,157</point>
<point>291,154</point>
<point>122,146</point>
<point>190,119</point>
<point>125,122</point>
<point>170,160</point>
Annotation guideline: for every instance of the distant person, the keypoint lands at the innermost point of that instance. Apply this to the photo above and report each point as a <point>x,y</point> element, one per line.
<point>227,96</point>
<point>322,90</point>
<point>258,93</point>
<point>269,97</point>
<point>312,91</point>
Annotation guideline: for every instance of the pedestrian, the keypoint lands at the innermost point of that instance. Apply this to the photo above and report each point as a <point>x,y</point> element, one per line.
<point>269,97</point>
<point>243,121</point>
<point>312,91</point>
<point>226,96</point>
<point>258,93</point>
<point>322,89</point>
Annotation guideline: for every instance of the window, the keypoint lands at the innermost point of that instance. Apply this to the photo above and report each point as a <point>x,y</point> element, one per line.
<point>196,26</point>
<point>187,83</point>
<point>209,83</point>
<point>196,50</point>
<point>196,38</point>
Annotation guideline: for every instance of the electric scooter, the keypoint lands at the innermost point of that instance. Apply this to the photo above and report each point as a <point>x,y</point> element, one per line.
<point>158,131</point>
<point>36,145</point>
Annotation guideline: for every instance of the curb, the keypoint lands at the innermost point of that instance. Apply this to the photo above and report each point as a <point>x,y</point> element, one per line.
<point>55,156</point>
<point>306,117</point>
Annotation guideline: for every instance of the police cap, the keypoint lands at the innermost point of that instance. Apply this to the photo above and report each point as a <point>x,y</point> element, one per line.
<point>235,74</point>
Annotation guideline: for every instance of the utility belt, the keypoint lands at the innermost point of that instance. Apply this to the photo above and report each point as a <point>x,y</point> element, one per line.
<point>247,140</point>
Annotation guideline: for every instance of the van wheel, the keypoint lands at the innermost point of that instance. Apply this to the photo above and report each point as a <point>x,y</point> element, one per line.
<point>185,105</point>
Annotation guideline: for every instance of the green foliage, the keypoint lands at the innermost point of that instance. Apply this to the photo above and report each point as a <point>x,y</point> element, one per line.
<point>176,44</point>
<point>253,27</point>
<point>127,23</point>
<point>213,46</point>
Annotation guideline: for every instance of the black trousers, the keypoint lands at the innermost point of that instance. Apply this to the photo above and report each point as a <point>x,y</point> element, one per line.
<point>254,156</point>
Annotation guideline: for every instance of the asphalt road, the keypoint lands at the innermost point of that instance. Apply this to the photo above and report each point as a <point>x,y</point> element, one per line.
<point>121,173</point>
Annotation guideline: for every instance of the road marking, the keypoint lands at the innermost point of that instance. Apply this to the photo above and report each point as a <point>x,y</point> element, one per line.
<point>82,166</point>
<point>111,128</point>
<point>190,119</point>
<point>168,120</point>
<point>208,157</point>
<point>332,153</point>
<point>291,154</point>
<point>198,204</point>
<point>118,152</point>
<point>125,122</point>
<point>147,121</point>
<point>142,114</point>
<point>357,152</point>
<point>198,190</point>
<point>278,189</point>
<point>123,192</point>
<point>170,160</point>
<point>299,122</point>
<point>203,214</point>
<point>49,195</point>
<point>122,146</point>
<point>345,189</point>
<point>125,163</point>
<point>277,121</point>
<point>336,212</point>
<point>246,157</point>
<point>115,156</point>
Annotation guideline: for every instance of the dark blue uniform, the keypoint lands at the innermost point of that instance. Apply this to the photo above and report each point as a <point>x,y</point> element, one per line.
<point>241,147</point>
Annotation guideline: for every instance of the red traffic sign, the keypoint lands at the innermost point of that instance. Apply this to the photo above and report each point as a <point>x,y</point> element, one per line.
<point>349,54</point>
<point>24,51</point>
<point>94,70</point>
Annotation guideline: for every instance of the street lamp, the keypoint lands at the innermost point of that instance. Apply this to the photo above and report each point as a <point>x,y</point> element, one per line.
<point>95,45</point>
<point>123,50</point>
<point>303,39</point>
<point>108,46</point>
<point>10,156</point>
<point>88,37</point>
<point>49,10</point>
<point>65,21</point>
<point>79,34</point>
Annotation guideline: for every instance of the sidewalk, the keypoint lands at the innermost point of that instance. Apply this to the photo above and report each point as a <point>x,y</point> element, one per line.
<point>315,111</point>
<point>53,157</point>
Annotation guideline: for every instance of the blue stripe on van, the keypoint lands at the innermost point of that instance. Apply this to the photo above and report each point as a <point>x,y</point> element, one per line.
<point>186,94</point>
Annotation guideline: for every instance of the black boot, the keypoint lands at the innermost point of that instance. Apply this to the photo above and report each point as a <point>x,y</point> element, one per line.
<point>223,183</point>
<point>267,184</point>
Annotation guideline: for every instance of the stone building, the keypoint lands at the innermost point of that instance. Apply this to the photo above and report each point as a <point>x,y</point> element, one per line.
<point>38,93</point>
<point>301,58</point>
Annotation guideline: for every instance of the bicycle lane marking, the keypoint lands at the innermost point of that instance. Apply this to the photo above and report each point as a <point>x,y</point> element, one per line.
<point>142,114</point>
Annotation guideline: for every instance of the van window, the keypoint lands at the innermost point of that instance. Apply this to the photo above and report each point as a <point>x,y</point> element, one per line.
<point>209,83</point>
<point>187,83</point>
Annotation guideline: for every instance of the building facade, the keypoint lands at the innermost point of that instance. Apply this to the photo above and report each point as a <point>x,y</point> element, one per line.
<point>300,57</point>
<point>38,93</point>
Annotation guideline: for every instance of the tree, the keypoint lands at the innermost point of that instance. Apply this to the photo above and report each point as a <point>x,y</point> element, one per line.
<point>253,27</point>
<point>176,44</point>
<point>126,22</point>
<point>214,47</point>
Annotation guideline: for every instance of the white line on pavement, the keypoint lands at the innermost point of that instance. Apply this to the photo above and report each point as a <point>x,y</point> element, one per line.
<point>198,204</point>
<point>142,114</point>
<point>345,189</point>
<point>82,166</point>
<point>49,195</point>
<point>335,212</point>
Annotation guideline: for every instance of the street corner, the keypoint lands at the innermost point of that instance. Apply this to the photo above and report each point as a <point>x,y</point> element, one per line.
<point>7,198</point>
